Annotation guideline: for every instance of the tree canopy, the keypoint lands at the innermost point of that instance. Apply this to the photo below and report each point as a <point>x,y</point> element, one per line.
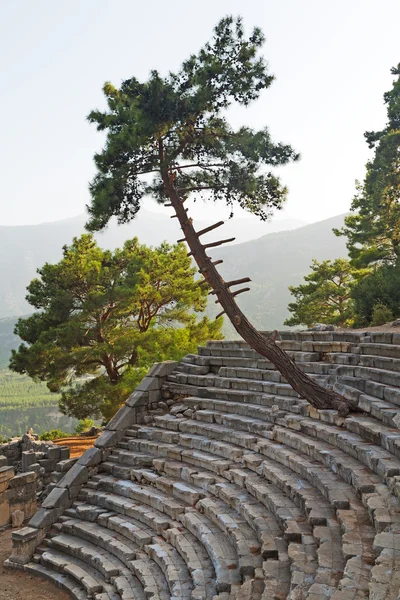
<point>373,230</point>
<point>170,138</point>
<point>326,295</point>
<point>104,317</point>
<point>175,128</point>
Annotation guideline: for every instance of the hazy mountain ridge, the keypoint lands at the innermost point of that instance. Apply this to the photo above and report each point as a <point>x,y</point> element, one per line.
<point>274,262</point>
<point>24,249</point>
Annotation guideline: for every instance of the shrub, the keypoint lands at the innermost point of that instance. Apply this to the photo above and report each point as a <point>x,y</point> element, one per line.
<point>84,425</point>
<point>53,434</point>
<point>381,314</point>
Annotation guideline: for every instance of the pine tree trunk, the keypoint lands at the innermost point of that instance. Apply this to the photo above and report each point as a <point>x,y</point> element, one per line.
<point>316,395</point>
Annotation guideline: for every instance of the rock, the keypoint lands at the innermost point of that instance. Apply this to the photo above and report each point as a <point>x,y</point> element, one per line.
<point>322,327</point>
<point>188,413</point>
<point>92,432</point>
<point>396,323</point>
<point>17,518</point>
<point>163,405</point>
<point>178,408</point>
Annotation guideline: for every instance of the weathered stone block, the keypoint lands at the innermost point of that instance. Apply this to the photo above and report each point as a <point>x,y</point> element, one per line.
<point>77,475</point>
<point>45,517</point>
<point>138,399</point>
<point>28,458</point>
<point>148,383</point>
<point>22,479</point>
<point>54,453</point>
<point>108,439</point>
<point>90,458</point>
<point>24,544</point>
<point>65,465</point>
<point>6,473</point>
<point>57,497</point>
<point>162,369</point>
<point>64,452</point>
<point>4,512</point>
<point>17,518</point>
<point>123,419</point>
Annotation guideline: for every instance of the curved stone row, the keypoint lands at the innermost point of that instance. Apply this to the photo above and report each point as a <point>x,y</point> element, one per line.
<point>232,487</point>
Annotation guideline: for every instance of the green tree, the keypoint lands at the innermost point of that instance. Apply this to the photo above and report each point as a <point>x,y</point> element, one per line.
<point>104,317</point>
<point>373,230</point>
<point>380,288</point>
<point>325,297</point>
<point>169,138</point>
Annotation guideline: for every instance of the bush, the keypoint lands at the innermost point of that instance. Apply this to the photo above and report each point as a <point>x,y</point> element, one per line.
<point>84,425</point>
<point>53,434</point>
<point>381,314</point>
<point>382,287</point>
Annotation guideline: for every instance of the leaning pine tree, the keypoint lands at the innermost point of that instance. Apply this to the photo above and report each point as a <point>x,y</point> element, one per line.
<point>169,138</point>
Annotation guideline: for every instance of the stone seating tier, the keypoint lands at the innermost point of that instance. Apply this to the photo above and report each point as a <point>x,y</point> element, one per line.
<point>217,481</point>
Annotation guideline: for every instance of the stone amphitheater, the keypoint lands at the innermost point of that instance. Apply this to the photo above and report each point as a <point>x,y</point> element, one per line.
<point>216,481</point>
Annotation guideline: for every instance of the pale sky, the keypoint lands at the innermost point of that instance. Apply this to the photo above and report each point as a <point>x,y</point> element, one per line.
<point>331,61</point>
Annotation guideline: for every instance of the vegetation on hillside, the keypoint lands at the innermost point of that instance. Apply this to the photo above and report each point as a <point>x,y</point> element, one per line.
<point>25,404</point>
<point>104,317</point>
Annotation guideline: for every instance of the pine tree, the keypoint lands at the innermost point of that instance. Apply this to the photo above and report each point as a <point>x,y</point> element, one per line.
<point>169,137</point>
<point>373,230</point>
<point>104,317</point>
<point>325,297</point>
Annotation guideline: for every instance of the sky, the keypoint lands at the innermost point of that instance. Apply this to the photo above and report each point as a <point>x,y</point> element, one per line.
<point>331,60</point>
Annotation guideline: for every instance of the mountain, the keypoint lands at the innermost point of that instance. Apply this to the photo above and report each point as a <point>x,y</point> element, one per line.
<point>273,262</point>
<point>23,249</point>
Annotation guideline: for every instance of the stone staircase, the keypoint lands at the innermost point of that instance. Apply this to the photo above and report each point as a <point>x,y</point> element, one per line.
<point>217,481</point>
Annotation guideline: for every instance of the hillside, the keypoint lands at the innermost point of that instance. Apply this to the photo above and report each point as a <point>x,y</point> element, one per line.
<point>274,262</point>
<point>24,249</point>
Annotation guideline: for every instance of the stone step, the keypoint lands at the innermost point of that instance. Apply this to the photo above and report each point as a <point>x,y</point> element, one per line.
<point>219,549</point>
<point>386,350</point>
<point>372,388</point>
<point>84,575</point>
<point>252,385</point>
<point>155,586</point>
<point>89,553</point>
<point>148,517</point>
<point>198,563</point>
<point>380,362</point>
<point>241,396</point>
<point>62,581</point>
<point>380,458</point>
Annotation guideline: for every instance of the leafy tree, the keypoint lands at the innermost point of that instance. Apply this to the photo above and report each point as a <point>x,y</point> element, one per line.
<point>381,287</point>
<point>325,297</point>
<point>104,317</point>
<point>169,138</point>
<point>373,230</point>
